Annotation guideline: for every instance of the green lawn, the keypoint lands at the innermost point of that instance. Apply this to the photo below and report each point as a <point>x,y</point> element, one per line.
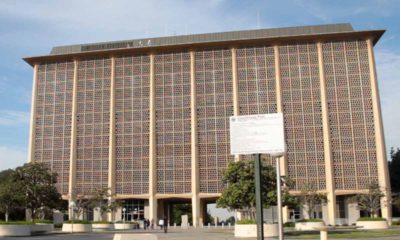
<point>337,234</point>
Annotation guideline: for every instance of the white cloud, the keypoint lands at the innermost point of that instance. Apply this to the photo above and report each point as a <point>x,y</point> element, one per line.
<point>314,9</point>
<point>12,157</point>
<point>98,20</point>
<point>14,118</point>
<point>388,69</point>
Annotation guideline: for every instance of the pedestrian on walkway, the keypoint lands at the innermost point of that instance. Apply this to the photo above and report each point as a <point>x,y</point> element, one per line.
<point>165,224</point>
<point>161,223</point>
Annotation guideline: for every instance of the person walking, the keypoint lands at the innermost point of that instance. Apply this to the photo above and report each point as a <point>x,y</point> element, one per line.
<point>165,224</point>
<point>161,223</point>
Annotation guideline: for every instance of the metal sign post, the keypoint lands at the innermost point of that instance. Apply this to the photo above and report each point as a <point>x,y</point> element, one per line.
<point>279,193</point>
<point>256,134</point>
<point>259,204</point>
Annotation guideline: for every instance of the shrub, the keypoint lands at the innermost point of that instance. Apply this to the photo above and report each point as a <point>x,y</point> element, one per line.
<point>289,224</point>
<point>366,219</point>
<point>78,221</point>
<point>101,222</point>
<point>16,223</point>
<point>396,223</point>
<point>310,220</point>
<point>58,225</point>
<point>246,221</point>
<point>43,221</point>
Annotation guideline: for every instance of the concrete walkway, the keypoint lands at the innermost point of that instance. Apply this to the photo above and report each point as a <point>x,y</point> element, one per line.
<point>173,234</point>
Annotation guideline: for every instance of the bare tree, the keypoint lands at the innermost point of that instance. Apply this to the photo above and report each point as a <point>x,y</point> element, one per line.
<point>311,199</point>
<point>370,201</point>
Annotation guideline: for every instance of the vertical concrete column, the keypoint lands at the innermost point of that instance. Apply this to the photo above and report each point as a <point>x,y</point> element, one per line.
<point>383,174</point>
<point>235,88</point>
<point>152,146</point>
<point>32,130</point>
<point>329,175</point>
<point>111,150</point>
<point>279,103</point>
<point>279,109</point>
<point>195,171</point>
<point>72,158</point>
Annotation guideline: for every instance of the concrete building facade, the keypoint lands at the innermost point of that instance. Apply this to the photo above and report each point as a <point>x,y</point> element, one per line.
<point>149,118</point>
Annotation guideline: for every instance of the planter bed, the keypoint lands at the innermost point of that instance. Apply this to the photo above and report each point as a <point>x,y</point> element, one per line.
<point>41,228</point>
<point>15,230</point>
<point>102,226</point>
<point>250,230</point>
<point>76,227</point>
<point>373,224</point>
<point>125,226</point>
<point>308,226</point>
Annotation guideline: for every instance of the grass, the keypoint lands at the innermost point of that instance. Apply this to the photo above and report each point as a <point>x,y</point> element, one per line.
<point>340,234</point>
<point>16,223</point>
<point>246,221</point>
<point>78,222</point>
<point>368,219</point>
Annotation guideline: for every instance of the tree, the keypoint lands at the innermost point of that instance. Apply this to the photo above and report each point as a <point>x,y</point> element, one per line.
<point>310,199</point>
<point>10,197</point>
<point>394,170</point>
<point>113,206</point>
<point>239,193</point>
<point>181,209</point>
<point>37,184</point>
<point>99,200</point>
<point>5,175</point>
<point>370,201</point>
<point>81,204</point>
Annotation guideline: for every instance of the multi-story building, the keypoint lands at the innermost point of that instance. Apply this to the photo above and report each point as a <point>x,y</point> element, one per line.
<point>149,118</point>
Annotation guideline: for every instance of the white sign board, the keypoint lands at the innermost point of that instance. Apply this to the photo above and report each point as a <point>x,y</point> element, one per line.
<point>253,134</point>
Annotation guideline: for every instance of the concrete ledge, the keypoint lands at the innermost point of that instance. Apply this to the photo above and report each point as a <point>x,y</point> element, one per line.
<point>308,226</point>
<point>40,228</point>
<point>132,236</point>
<point>102,226</point>
<point>76,227</point>
<point>250,230</point>
<point>15,230</point>
<point>123,226</point>
<point>372,224</point>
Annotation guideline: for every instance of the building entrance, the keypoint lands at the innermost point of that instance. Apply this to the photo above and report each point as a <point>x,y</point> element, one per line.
<point>173,209</point>
<point>134,210</point>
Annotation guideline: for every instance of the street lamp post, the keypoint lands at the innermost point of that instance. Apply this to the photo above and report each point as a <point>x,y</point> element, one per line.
<point>123,217</point>
<point>72,206</point>
<point>279,193</point>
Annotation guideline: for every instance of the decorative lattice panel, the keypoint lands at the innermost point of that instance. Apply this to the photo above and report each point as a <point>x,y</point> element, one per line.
<point>302,114</point>
<point>172,101</point>
<point>53,119</point>
<point>256,83</point>
<point>132,89</point>
<point>214,107</point>
<point>93,120</point>
<point>350,113</point>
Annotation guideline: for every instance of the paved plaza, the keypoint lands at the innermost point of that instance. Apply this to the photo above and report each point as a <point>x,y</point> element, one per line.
<point>173,234</point>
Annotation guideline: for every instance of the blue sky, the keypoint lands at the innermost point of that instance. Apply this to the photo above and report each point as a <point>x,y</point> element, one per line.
<point>33,27</point>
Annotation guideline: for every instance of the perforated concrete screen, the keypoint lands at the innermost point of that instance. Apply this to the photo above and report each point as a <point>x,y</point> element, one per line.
<point>152,122</point>
<point>214,106</point>
<point>350,113</point>
<point>53,119</point>
<point>93,119</point>
<point>302,114</point>
<point>172,90</point>
<point>132,93</point>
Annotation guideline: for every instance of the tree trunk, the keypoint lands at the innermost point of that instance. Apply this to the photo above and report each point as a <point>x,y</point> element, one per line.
<point>33,215</point>
<point>6,215</point>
